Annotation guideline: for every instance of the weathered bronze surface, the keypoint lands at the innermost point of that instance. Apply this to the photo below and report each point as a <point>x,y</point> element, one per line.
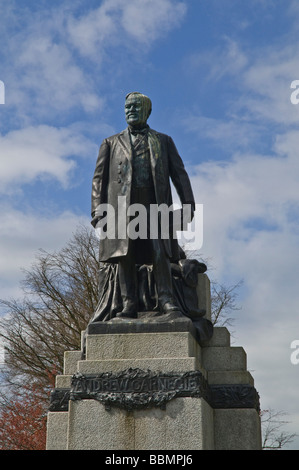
<point>137,165</point>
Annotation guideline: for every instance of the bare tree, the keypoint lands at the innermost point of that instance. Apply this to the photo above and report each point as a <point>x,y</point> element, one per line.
<point>60,295</point>
<point>274,437</point>
<point>223,303</point>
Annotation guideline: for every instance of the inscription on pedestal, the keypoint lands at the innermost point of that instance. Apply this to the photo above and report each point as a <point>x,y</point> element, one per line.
<point>136,389</point>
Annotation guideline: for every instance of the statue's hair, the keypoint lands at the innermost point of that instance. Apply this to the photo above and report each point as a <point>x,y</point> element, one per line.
<point>145,100</point>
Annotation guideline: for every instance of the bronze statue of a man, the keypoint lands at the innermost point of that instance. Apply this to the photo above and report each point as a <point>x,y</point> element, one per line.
<point>135,166</point>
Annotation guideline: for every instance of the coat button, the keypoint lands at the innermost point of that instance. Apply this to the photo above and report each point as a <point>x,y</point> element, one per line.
<point>119,180</point>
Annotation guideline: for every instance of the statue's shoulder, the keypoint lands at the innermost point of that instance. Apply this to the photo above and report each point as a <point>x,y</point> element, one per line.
<point>113,137</point>
<point>125,134</point>
<point>159,134</point>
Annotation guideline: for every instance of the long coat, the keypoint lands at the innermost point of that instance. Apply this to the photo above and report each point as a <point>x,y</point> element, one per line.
<point>113,178</point>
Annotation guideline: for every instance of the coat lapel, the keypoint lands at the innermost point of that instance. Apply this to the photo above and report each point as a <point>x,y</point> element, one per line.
<point>154,146</point>
<point>125,141</point>
<point>156,162</point>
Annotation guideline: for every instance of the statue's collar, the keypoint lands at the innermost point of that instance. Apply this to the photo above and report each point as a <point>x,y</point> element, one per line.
<point>136,131</point>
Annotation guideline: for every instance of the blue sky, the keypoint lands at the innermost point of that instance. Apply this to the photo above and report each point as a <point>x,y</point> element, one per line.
<point>219,75</point>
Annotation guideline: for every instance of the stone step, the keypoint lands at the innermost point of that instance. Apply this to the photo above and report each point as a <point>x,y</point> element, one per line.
<point>224,358</point>
<point>142,345</point>
<point>221,337</point>
<point>70,362</point>
<point>229,377</point>
<point>173,364</point>
<point>63,381</point>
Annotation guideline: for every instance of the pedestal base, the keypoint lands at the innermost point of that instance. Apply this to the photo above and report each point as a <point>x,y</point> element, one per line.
<point>157,390</point>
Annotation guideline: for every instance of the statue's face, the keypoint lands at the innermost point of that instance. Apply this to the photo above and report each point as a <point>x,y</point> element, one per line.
<point>135,111</point>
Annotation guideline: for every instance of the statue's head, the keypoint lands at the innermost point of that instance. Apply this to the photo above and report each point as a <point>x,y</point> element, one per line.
<point>138,107</point>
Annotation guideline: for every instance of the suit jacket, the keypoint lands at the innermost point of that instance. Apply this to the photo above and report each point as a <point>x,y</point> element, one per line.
<point>113,178</point>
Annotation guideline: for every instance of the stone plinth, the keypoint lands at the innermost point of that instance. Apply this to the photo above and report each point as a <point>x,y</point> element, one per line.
<point>179,426</point>
<point>149,384</point>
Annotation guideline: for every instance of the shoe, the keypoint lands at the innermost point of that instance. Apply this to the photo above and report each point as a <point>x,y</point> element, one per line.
<point>126,314</point>
<point>172,311</point>
<point>170,307</point>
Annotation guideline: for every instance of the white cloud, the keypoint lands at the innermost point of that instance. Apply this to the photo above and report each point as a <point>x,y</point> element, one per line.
<point>38,152</point>
<point>146,20</point>
<point>22,234</point>
<point>51,78</point>
<point>228,59</point>
<point>42,69</point>
<point>251,212</point>
<point>115,22</point>
<point>231,133</point>
<point>251,232</point>
<point>262,79</point>
<point>91,33</point>
<point>249,194</point>
<point>269,81</point>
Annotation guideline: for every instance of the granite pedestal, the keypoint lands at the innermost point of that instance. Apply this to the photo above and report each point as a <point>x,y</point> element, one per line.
<point>150,384</point>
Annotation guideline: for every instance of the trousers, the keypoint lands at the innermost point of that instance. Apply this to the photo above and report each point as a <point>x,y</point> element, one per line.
<point>160,261</point>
